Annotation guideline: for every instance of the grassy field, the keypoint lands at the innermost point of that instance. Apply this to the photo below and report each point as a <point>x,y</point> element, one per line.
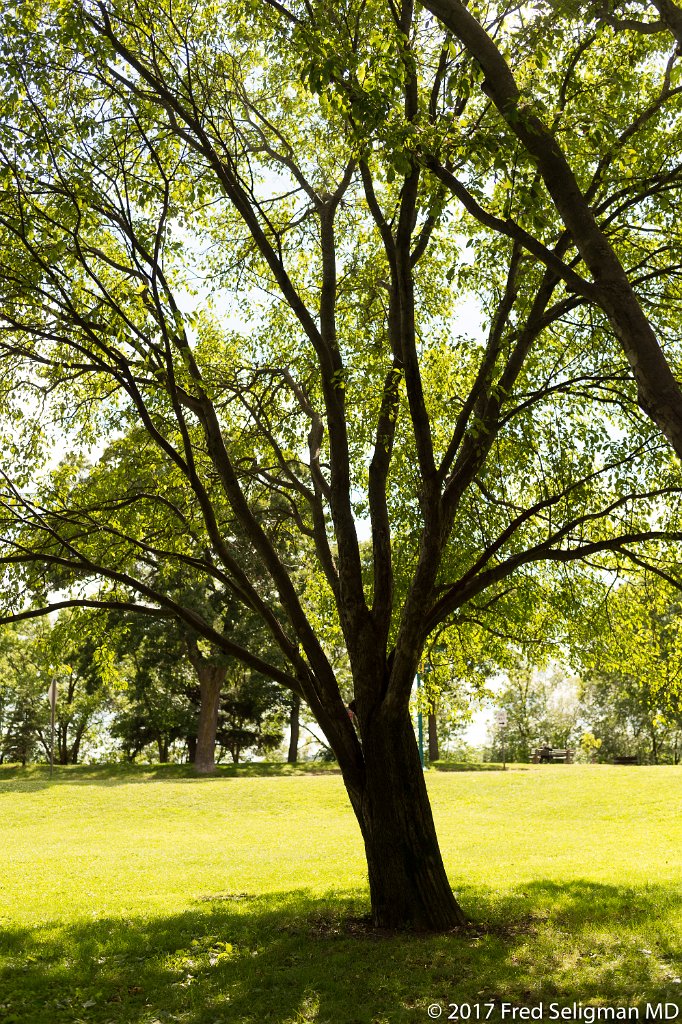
<point>151,897</point>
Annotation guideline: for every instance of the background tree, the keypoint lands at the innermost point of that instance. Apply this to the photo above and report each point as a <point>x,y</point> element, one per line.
<point>542,709</point>
<point>144,527</point>
<point>154,707</point>
<point>180,693</point>
<point>631,657</point>
<point>23,696</point>
<point>452,675</point>
<point>73,652</point>
<point>251,715</point>
<point>628,720</point>
<point>237,707</point>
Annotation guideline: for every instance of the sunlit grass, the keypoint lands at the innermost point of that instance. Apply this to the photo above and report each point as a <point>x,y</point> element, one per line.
<point>138,896</point>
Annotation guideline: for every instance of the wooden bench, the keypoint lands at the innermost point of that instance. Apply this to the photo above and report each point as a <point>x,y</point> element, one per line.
<point>549,755</point>
<point>626,759</point>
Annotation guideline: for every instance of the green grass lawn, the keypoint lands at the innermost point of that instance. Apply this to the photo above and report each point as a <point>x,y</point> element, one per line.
<point>150,896</point>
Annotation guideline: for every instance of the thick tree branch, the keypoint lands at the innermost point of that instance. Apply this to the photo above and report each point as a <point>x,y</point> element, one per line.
<point>512,230</point>
<point>660,395</point>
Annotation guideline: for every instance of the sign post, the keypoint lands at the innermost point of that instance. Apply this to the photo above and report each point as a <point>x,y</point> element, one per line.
<point>52,697</point>
<point>501,723</point>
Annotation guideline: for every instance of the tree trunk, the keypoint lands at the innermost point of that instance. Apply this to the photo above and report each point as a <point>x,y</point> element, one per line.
<point>434,754</point>
<point>76,745</point>
<point>211,678</point>
<point>292,756</point>
<point>191,749</point>
<point>407,880</point>
<point>162,744</point>
<point>62,750</point>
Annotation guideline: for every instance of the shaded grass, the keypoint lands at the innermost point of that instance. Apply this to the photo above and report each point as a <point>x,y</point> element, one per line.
<point>293,957</point>
<point>126,773</point>
<point>213,901</point>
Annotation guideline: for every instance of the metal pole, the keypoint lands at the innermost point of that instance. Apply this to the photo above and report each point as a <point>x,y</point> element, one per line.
<point>53,704</point>
<point>52,742</point>
<point>420,723</point>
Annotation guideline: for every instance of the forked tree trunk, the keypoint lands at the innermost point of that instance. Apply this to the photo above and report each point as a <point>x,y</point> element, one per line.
<point>408,884</point>
<point>292,756</point>
<point>211,678</point>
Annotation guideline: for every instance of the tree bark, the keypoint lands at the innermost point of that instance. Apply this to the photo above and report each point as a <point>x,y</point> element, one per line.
<point>211,680</point>
<point>62,750</point>
<point>292,756</point>
<point>409,888</point>
<point>671,16</point>
<point>434,753</point>
<point>76,745</point>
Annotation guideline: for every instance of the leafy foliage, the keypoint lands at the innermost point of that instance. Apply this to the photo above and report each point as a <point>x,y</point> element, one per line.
<point>73,653</point>
<point>633,672</point>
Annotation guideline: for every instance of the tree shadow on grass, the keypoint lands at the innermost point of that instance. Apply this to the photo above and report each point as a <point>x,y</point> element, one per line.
<point>32,777</point>
<point>37,776</point>
<point>22,786</point>
<point>292,958</point>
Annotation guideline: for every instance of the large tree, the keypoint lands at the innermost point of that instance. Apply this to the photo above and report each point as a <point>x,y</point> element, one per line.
<point>299,254</point>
